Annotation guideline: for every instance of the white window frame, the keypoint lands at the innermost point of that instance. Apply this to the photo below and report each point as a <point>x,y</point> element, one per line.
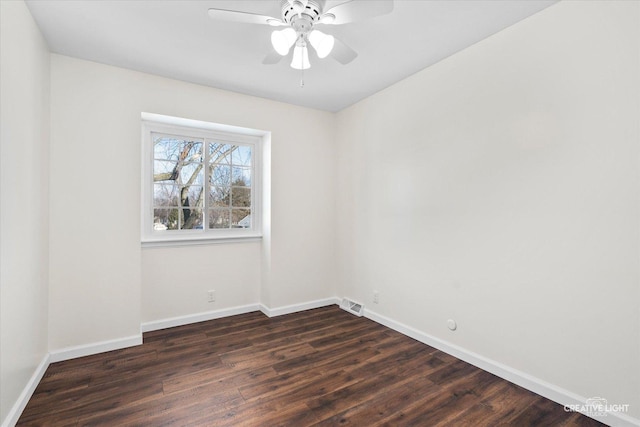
<point>155,123</point>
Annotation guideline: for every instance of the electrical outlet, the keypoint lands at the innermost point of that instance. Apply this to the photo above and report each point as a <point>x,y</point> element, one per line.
<point>211,296</point>
<point>376,297</point>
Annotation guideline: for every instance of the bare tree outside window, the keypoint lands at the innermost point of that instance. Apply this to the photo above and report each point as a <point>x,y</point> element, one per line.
<point>198,183</point>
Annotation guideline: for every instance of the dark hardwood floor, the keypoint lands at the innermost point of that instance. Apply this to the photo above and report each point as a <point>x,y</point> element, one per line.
<point>322,367</point>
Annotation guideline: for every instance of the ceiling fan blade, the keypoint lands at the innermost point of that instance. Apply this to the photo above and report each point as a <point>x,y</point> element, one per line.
<point>342,53</point>
<point>357,10</point>
<point>243,17</point>
<point>272,57</point>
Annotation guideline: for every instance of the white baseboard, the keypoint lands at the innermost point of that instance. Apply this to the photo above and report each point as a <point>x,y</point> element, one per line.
<point>294,308</point>
<point>198,317</point>
<point>536,385</point>
<point>14,414</point>
<point>232,311</point>
<point>94,348</point>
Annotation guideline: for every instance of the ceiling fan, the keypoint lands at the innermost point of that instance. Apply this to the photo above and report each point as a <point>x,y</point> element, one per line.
<point>300,17</point>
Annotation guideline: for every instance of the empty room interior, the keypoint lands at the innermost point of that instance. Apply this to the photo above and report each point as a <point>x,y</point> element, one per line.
<point>279,212</point>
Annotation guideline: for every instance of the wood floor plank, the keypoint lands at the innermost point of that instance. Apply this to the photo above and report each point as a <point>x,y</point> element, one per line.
<point>541,412</point>
<point>384,405</point>
<point>176,409</point>
<point>463,394</point>
<point>276,386</point>
<point>324,362</point>
<point>296,387</point>
<point>508,402</point>
<point>434,408</point>
<point>102,399</point>
<point>321,367</point>
<point>243,359</point>
<point>351,395</point>
<point>226,376</point>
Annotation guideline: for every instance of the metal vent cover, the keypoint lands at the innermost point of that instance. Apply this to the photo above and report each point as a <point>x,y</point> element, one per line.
<point>352,307</point>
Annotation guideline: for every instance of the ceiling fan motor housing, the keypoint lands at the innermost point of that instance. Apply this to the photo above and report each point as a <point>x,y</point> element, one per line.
<point>302,14</point>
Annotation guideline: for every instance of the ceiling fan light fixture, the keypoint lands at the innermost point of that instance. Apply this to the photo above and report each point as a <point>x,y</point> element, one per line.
<point>300,59</point>
<point>327,18</point>
<point>321,42</point>
<point>282,40</point>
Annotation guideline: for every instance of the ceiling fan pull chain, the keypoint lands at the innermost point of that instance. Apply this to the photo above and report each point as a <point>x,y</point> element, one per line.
<point>302,71</point>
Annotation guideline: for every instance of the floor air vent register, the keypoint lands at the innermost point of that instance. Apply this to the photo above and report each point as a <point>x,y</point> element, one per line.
<point>352,307</point>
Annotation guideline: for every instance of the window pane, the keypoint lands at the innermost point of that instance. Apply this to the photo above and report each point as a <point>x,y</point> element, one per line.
<point>191,219</point>
<point>220,175</point>
<point>241,177</point>
<point>163,170</point>
<point>191,173</point>
<point>166,148</point>
<point>241,218</point>
<point>177,149</point>
<point>165,195</point>
<point>241,156</point>
<point>241,197</point>
<point>165,219</point>
<point>219,196</point>
<point>191,152</point>
<point>191,196</point>
<point>219,218</point>
<point>220,153</point>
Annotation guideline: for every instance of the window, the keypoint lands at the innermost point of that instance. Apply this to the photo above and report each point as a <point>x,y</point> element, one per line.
<point>201,181</point>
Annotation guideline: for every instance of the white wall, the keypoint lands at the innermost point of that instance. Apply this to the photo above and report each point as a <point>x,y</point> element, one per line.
<point>499,188</point>
<point>175,280</point>
<point>103,285</point>
<point>24,114</point>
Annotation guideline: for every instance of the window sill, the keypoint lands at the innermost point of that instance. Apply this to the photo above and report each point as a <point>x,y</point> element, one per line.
<point>178,242</point>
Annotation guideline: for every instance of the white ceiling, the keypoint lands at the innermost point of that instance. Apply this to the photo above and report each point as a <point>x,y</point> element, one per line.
<point>177,39</point>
